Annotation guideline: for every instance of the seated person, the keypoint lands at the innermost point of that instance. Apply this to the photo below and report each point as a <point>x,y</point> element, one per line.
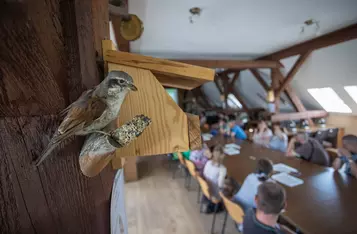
<point>279,140</point>
<point>347,155</point>
<point>270,202</point>
<point>262,135</point>
<point>200,157</point>
<point>246,194</point>
<point>236,131</point>
<point>308,148</point>
<point>230,187</point>
<point>224,127</point>
<point>214,173</point>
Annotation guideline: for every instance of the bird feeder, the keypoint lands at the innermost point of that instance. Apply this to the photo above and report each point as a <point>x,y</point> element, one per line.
<point>171,129</point>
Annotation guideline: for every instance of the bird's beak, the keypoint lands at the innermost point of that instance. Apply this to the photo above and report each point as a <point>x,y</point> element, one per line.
<point>132,87</point>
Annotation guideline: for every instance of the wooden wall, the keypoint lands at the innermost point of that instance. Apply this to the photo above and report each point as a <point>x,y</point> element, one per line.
<point>349,122</point>
<point>47,58</point>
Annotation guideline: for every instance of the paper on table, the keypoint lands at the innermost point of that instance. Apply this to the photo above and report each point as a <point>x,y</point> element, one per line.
<point>287,179</point>
<point>206,136</point>
<point>232,145</point>
<point>231,151</point>
<point>281,167</point>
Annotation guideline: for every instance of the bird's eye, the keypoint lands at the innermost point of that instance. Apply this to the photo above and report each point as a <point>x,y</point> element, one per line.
<point>121,81</point>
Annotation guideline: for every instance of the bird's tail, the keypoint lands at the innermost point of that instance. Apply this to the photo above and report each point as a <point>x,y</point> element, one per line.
<point>56,139</point>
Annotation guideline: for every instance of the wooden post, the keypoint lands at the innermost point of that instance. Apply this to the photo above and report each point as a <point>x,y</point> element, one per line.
<point>47,59</point>
<point>274,87</point>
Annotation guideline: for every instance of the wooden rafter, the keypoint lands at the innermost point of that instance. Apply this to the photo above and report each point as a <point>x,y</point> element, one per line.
<point>339,36</point>
<point>293,72</point>
<point>260,79</point>
<point>232,64</point>
<point>299,115</point>
<point>229,88</point>
<point>199,95</point>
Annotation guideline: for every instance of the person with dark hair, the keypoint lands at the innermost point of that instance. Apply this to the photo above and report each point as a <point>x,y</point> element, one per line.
<point>270,201</point>
<point>309,149</point>
<point>245,196</point>
<point>279,141</point>
<point>347,155</point>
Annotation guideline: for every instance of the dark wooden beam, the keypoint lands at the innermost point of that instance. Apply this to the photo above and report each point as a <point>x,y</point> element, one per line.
<point>333,38</point>
<point>293,72</point>
<point>260,79</point>
<point>299,115</point>
<point>294,99</point>
<point>232,64</point>
<point>123,45</point>
<point>275,84</point>
<point>198,93</point>
<point>235,78</point>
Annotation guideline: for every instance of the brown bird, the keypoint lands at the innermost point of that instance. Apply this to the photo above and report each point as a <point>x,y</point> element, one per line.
<point>94,110</point>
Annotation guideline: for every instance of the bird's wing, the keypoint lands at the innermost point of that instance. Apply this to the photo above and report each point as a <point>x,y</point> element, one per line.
<point>80,115</point>
<point>86,95</point>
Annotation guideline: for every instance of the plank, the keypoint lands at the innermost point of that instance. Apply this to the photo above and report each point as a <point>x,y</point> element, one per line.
<point>231,64</point>
<point>14,217</point>
<point>73,199</point>
<point>26,77</point>
<point>100,22</point>
<point>32,193</point>
<point>299,115</point>
<point>194,131</point>
<point>168,130</point>
<point>293,72</point>
<point>329,39</point>
<point>84,23</point>
<point>173,69</point>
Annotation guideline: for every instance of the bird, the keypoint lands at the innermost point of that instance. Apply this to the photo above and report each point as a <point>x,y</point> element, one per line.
<point>94,110</point>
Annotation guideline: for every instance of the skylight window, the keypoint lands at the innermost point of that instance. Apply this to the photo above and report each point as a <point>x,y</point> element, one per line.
<point>352,91</point>
<point>329,100</point>
<point>233,102</point>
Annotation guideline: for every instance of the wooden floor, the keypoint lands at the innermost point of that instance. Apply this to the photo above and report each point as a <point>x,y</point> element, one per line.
<point>158,204</point>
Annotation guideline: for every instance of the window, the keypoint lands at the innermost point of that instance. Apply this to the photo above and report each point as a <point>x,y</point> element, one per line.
<point>233,102</point>
<point>352,91</point>
<point>329,100</point>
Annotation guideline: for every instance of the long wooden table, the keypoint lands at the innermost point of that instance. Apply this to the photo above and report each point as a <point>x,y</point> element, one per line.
<point>325,203</point>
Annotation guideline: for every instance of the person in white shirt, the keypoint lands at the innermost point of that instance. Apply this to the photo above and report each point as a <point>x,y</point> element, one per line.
<point>280,140</point>
<point>246,194</point>
<point>214,173</point>
<point>262,135</point>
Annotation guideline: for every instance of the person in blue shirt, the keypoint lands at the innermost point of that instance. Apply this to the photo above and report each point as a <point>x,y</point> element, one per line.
<point>236,131</point>
<point>347,155</point>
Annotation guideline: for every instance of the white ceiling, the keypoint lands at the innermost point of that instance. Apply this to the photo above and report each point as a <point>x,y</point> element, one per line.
<point>233,28</point>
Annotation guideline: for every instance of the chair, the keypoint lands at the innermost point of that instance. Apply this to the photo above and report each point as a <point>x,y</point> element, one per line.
<point>182,164</point>
<point>206,191</point>
<point>194,173</point>
<point>233,209</point>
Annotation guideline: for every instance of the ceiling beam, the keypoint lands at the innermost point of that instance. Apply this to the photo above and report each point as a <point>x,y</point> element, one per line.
<point>299,115</point>
<point>231,64</point>
<point>339,36</point>
<point>260,79</point>
<point>293,72</point>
